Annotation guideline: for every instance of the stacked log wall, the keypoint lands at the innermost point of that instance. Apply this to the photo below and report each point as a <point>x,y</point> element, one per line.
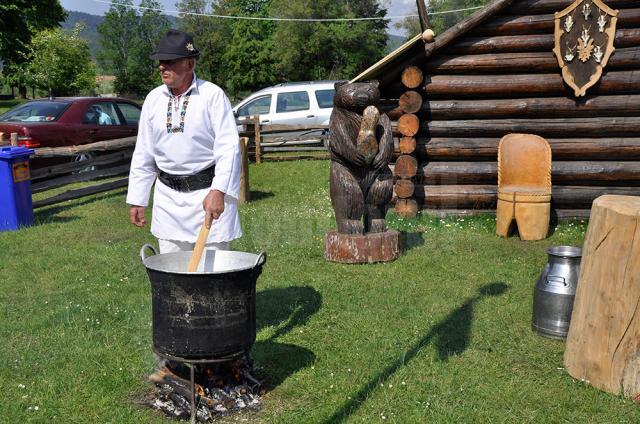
<point>503,77</point>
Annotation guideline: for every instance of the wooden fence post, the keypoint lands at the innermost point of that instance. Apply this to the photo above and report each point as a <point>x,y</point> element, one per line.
<point>14,139</point>
<point>256,126</point>
<point>244,174</point>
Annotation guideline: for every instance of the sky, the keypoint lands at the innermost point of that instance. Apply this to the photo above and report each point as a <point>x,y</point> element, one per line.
<point>100,7</point>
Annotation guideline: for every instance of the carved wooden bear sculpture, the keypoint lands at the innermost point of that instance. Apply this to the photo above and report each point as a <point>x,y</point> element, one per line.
<point>361,146</point>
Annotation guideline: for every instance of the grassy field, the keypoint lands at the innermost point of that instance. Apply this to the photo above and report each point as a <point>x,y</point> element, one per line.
<point>5,105</point>
<point>441,335</point>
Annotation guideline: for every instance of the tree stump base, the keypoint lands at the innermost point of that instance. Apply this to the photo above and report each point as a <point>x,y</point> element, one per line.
<point>602,345</point>
<point>362,248</point>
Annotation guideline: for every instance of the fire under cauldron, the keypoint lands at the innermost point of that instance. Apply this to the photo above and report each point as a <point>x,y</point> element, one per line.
<point>203,316</point>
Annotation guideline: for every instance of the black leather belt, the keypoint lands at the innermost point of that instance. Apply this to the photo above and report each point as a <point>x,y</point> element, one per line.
<point>187,183</point>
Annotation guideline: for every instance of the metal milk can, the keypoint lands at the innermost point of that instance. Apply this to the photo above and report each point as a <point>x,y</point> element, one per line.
<point>555,292</point>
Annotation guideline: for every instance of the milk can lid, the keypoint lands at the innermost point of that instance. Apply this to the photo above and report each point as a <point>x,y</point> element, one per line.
<point>565,251</point>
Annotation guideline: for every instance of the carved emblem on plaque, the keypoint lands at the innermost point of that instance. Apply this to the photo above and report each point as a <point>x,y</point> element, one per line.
<point>584,31</point>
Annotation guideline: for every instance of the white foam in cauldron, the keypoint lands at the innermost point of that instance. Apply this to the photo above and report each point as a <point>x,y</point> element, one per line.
<point>212,262</point>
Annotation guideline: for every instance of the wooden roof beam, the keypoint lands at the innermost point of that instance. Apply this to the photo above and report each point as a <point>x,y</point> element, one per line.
<point>466,25</point>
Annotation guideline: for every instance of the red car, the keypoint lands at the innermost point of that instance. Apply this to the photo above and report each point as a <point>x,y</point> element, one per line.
<point>68,121</point>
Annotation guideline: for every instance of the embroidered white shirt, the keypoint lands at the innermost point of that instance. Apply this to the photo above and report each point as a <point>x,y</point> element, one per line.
<point>210,137</point>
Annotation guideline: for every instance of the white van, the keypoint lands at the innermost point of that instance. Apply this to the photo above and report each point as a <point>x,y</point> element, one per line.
<point>291,103</point>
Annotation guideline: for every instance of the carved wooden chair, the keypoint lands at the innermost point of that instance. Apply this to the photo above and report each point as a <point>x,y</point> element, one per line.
<point>524,186</point>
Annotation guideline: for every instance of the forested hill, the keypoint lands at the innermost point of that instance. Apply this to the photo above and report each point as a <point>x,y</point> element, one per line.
<point>90,31</point>
<point>91,23</point>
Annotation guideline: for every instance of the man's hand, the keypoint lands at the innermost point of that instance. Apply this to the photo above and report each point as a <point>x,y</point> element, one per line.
<point>136,215</point>
<point>213,204</point>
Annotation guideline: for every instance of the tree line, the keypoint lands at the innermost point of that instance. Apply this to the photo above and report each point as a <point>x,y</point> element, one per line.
<point>239,55</point>
<point>243,55</point>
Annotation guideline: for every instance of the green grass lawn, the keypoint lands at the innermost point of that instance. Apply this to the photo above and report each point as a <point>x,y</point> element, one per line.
<point>5,105</point>
<point>440,335</point>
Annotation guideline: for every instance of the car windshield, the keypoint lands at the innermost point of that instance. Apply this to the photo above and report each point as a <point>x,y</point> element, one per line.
<point>41,111</point>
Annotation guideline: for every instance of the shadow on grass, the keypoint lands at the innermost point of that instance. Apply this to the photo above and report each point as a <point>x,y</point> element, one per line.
<point>278,361</point>
<point>553,220</point>
<point>411,240</point>
<point>47,214</point>
<point>450,337</point>
<point>260,195</point>
<point>284,309</point>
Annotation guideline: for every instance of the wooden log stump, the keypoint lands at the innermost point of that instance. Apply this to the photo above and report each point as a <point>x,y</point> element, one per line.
<point>603,344</point>
<point>406,167</point>
<point>404,188</point>
<point>407,145</point>
<point>406,208</point>
<point>412,77</point>
<point>410,102</point>
<point>408,124</point>
<point>362,248</point>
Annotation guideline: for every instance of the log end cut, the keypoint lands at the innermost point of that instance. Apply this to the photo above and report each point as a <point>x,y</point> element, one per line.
<point>412,77</point>
<point>406,208</point>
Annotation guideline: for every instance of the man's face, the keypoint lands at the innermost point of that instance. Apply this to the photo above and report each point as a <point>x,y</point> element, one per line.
<point>175,72</point>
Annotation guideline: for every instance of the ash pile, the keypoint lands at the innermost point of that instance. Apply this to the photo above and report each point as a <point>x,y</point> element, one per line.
<point>220,389</point>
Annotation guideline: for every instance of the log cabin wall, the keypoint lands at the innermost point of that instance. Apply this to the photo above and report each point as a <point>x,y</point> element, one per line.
<point>502,77</point>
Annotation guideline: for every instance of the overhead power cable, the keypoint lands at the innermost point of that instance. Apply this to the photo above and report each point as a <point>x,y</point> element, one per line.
<point>258,18</point>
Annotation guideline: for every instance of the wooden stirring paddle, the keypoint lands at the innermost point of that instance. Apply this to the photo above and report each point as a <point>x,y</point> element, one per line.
<point>202,240</point>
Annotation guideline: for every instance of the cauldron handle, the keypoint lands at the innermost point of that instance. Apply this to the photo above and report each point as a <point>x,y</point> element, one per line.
<point>143,253</point>
<point>262,258</point>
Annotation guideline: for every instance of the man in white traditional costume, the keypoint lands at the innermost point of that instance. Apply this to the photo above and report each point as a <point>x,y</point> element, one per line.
<point>188,141</point>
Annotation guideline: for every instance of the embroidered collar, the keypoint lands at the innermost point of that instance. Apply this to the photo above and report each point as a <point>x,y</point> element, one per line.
<point>183,109</point>
<point>183,112</point>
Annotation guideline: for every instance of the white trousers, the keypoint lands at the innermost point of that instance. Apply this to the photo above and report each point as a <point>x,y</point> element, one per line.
<point>170,246</point>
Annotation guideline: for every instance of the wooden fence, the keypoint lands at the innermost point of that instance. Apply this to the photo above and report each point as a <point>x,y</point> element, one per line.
<point>284,142</point>
<point>84,165</point>
<point>112,158</point>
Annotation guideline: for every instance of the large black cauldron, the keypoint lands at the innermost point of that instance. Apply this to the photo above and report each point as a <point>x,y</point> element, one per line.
<point>207,314</point>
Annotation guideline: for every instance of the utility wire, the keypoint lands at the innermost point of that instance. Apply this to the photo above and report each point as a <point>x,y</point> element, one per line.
<point>258,18</point>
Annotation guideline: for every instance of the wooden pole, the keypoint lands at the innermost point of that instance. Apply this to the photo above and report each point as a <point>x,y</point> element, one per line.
<point>14,139</point>
<point>422,13</point>
<point>256,126</point>
<point>200,242</point>
<point>244,174</point>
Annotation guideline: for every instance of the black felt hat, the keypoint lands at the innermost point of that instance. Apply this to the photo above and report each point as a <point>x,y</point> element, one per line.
<point>175,44</point>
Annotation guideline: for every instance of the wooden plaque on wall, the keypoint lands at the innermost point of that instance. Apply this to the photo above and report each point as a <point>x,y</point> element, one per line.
<point>584,35</point>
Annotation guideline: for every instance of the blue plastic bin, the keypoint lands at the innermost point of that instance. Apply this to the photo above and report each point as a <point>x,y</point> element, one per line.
<point>16,208</point>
